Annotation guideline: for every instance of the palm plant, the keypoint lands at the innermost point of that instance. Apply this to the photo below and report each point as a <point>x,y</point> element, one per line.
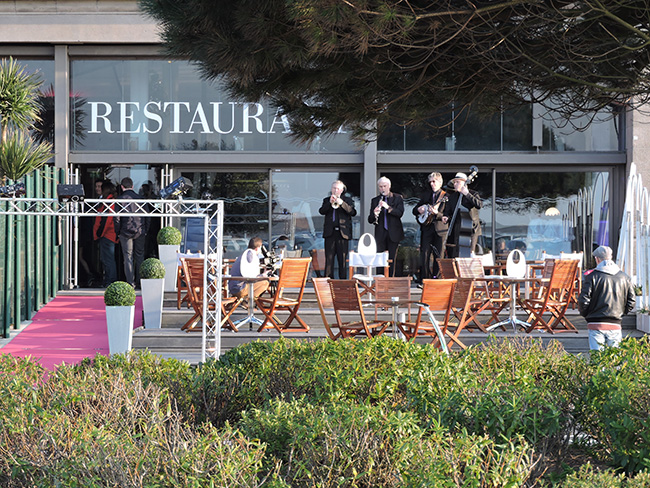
<point>19,111</point>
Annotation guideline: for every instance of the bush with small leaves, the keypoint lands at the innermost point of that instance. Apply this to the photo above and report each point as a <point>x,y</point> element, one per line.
<point>152,269</point>
<point>119,294</point>
<point>170,236</point>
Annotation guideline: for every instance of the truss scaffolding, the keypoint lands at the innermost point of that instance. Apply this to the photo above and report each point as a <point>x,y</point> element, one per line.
<point>211,211</point>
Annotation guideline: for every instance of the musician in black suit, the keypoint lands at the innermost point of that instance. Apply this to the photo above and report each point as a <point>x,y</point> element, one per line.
<point>338,210</point>
<point>386,210</point>
<point>471,202</point>
<point>429,212</point>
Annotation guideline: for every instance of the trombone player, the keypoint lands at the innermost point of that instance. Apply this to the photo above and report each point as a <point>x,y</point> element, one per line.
<point>386,210</point>
<point>338,210</point>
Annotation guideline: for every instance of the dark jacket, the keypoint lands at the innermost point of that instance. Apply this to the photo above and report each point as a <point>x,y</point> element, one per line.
<point>343,217</point>
<point>393,217</point>
<point>472,203</point>
<point>436,225</point>
<point>607,294</point>
<point>130,227</point>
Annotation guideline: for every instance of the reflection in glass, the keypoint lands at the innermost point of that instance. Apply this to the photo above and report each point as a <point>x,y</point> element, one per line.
<point>552,212</point>
<point>296,223</point>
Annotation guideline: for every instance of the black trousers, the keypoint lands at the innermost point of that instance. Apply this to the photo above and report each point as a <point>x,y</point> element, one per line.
<point>336,246</point>
<point>429,239</point>
<point>385,244</point>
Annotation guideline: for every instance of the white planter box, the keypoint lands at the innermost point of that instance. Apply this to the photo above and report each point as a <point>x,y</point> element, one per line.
<point>643,322</point>
<point>152,301</point>
<point>167,254</point>
<point>119,321</point>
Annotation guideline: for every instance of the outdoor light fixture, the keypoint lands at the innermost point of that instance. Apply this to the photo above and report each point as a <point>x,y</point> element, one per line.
<point>178,187</point>
<point>70,193</point>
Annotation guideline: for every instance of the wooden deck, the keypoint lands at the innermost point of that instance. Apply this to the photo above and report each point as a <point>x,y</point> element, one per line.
<point>171,342</point>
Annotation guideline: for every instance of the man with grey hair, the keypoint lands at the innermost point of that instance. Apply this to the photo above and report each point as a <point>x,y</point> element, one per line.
<point>386,210</point>
<point>429,212</point>
<point>607,294</point>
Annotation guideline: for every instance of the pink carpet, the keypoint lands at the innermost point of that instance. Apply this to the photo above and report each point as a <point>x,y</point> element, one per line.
<point>66,330</point>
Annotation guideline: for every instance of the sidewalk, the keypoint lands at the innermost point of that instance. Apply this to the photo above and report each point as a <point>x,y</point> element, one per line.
<point>66,330</point>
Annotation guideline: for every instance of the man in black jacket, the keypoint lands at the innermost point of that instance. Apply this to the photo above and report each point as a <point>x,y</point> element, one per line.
<point>607,294</point>
<point>132,234</point>
<point>433,231</point>
<point>338,210</point>
<point>386,210</point>
<point>470,203</point>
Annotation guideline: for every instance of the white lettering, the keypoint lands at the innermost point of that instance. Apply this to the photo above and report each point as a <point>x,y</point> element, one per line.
<point>215,117</point>
<point>176,115</point>
<point>94,115</point>
<point>283,120</point>
<point>203,120</point>
<point>152,116</point>
<point>247,118</point>
<point>124,116</point>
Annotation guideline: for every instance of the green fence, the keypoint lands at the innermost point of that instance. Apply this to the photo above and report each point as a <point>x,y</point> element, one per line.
<point>31,255</point>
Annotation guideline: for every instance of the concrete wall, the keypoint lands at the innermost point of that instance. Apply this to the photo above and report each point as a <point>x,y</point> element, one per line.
<point>75,21</point>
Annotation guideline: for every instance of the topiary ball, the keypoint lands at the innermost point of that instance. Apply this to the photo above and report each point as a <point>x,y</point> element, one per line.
<point>169,236</point>
<point>119,294</point>
<point>152,269</point>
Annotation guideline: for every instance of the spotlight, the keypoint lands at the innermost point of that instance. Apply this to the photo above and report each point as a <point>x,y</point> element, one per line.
<point>178,187</point>
<point>70,193</point>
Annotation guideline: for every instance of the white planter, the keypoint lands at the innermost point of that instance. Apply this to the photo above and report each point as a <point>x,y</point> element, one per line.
<point>152,301</point>
<point>167,254</point>
<point>119,321</point>
<point>643,322</point>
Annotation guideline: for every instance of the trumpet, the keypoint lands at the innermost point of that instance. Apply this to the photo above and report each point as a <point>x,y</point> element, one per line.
<point>336,203</point>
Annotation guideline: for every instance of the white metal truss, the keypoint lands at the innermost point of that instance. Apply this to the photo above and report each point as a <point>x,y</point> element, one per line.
<point>211,211</point>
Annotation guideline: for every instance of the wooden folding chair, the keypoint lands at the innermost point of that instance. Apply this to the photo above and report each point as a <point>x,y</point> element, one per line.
<point>346,298</point>
<point>466,308</point>
<point>193,271</point>
<point>324,299</point>
<point>554,300</point>
<point>293,275</point>
<point>386,288</point>
<point>577,288</point>
<point>494,295</point>
<point>318,262</point>
<point>447,268</point>
<point>182,292</point>
<point>437,296</point>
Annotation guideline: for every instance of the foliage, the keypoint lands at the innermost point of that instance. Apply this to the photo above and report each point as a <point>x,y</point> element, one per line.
<point>152,268</point>
<point>169,236</point>
<point>119,294</point>
<point>355,413</point>
<point>614,405</point>
<point>327,64</point>
<point>20,155</point>
<point>19,112</point>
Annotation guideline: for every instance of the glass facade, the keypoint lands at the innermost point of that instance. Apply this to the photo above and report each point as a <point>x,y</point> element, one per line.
<point>159,105</point>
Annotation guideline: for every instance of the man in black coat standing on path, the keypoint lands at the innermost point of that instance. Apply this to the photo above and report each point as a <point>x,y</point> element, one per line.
<point>386,210</point>
<point>338,210</point>
<point>131,231</point>
<point>433,231</point>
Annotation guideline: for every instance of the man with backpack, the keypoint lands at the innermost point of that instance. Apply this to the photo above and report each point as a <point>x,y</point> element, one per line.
<point>132,231</point>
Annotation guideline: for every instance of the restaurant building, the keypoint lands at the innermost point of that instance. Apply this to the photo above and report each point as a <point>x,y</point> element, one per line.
<point>119,108</point>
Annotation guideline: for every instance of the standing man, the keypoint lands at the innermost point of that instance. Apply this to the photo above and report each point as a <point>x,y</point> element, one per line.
<point>429,212</point>
<point>470,203</point>
<point>607,294</point>
<point>386,210</point>
<point>338,210</point>
<point>132,234</point>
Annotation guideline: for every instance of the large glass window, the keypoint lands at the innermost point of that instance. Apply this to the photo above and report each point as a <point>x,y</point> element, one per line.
<point>158,105</point>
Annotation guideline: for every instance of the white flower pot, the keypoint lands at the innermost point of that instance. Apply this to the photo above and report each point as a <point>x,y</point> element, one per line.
<point>167,254</point>
<point>152,301</point>
<point>643,322</point>
<point>119,321</point>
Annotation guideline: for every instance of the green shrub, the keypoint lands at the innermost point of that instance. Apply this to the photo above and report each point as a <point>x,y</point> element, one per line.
<point>614,405</point>
<point>152,268</point>
<point>169,236</point>
<point>119,294</point>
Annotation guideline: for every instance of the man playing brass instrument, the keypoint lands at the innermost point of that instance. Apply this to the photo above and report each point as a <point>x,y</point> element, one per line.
<point>386,210</point>
<point>429,212</point>
<point>338,210</point>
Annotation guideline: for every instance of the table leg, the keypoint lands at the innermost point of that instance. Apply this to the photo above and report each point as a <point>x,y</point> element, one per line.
<point>250,318</point>
<point>512,312</point>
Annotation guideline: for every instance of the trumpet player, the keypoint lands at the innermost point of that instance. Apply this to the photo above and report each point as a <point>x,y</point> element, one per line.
<point>386,210</point>
<point>429,213</point>
<point>338,210</point>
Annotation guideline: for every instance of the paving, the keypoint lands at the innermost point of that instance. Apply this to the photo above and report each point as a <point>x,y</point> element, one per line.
<point>171,342</point>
